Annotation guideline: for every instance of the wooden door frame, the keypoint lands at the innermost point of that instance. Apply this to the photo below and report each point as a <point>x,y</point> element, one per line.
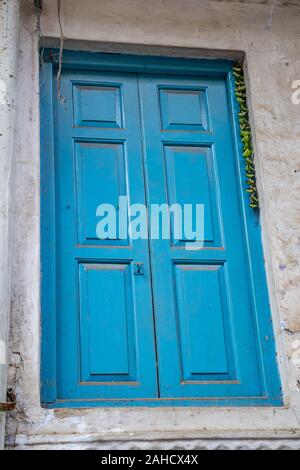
<point>259,293</point>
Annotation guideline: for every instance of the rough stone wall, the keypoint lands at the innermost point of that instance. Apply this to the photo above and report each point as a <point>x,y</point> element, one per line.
<point>269,34</point>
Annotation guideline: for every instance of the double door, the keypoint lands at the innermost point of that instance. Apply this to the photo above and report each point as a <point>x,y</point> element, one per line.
<point>141,319</point>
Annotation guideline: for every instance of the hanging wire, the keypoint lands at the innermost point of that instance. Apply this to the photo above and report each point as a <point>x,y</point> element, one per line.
<point>61,47</point>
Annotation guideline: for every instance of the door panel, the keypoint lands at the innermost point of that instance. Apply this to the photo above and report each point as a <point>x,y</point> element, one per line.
<point>100,176</point>
<point>206,335</point>
<point>193,164</point>
<point>106,345</point>
<point>98,105</point>
<point>183,108</point>
<point>200,320</point>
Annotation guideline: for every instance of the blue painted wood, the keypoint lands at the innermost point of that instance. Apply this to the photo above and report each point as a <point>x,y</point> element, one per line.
<point>136,63</point>
<point>214,337</point>
<point>97,105</point>
<point>48,241</point>
<point>200,321</point>
<point>256,265</point>
<point>105,332</point>
<point>107,327</point>
<point>192,164</point>
<point>183,108</point>
<point>100,170</point>
<point>228,306</point>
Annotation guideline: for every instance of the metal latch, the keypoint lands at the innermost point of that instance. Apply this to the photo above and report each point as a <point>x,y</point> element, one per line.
<point>138,269</point>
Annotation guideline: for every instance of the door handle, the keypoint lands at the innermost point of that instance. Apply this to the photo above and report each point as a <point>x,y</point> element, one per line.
<point>138,269</point>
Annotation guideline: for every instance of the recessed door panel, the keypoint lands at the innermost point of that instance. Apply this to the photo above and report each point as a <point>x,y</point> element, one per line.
<point>190,181</point>
<point>107,323</point>
<point>183,108</point>
<point>97,104</point>
<point>201,322</point>
<point>100,179</point>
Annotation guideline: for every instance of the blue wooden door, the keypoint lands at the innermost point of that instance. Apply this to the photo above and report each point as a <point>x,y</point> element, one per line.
<point>206,331</point>
<point>149,321</point>
<point>105,327</point>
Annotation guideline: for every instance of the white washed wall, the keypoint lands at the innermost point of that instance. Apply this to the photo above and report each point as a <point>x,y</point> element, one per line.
<point>270,38</point>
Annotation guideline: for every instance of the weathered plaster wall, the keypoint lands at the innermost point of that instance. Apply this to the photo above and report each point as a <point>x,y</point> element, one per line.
<point>270,38</point>
<point>9,33</point>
